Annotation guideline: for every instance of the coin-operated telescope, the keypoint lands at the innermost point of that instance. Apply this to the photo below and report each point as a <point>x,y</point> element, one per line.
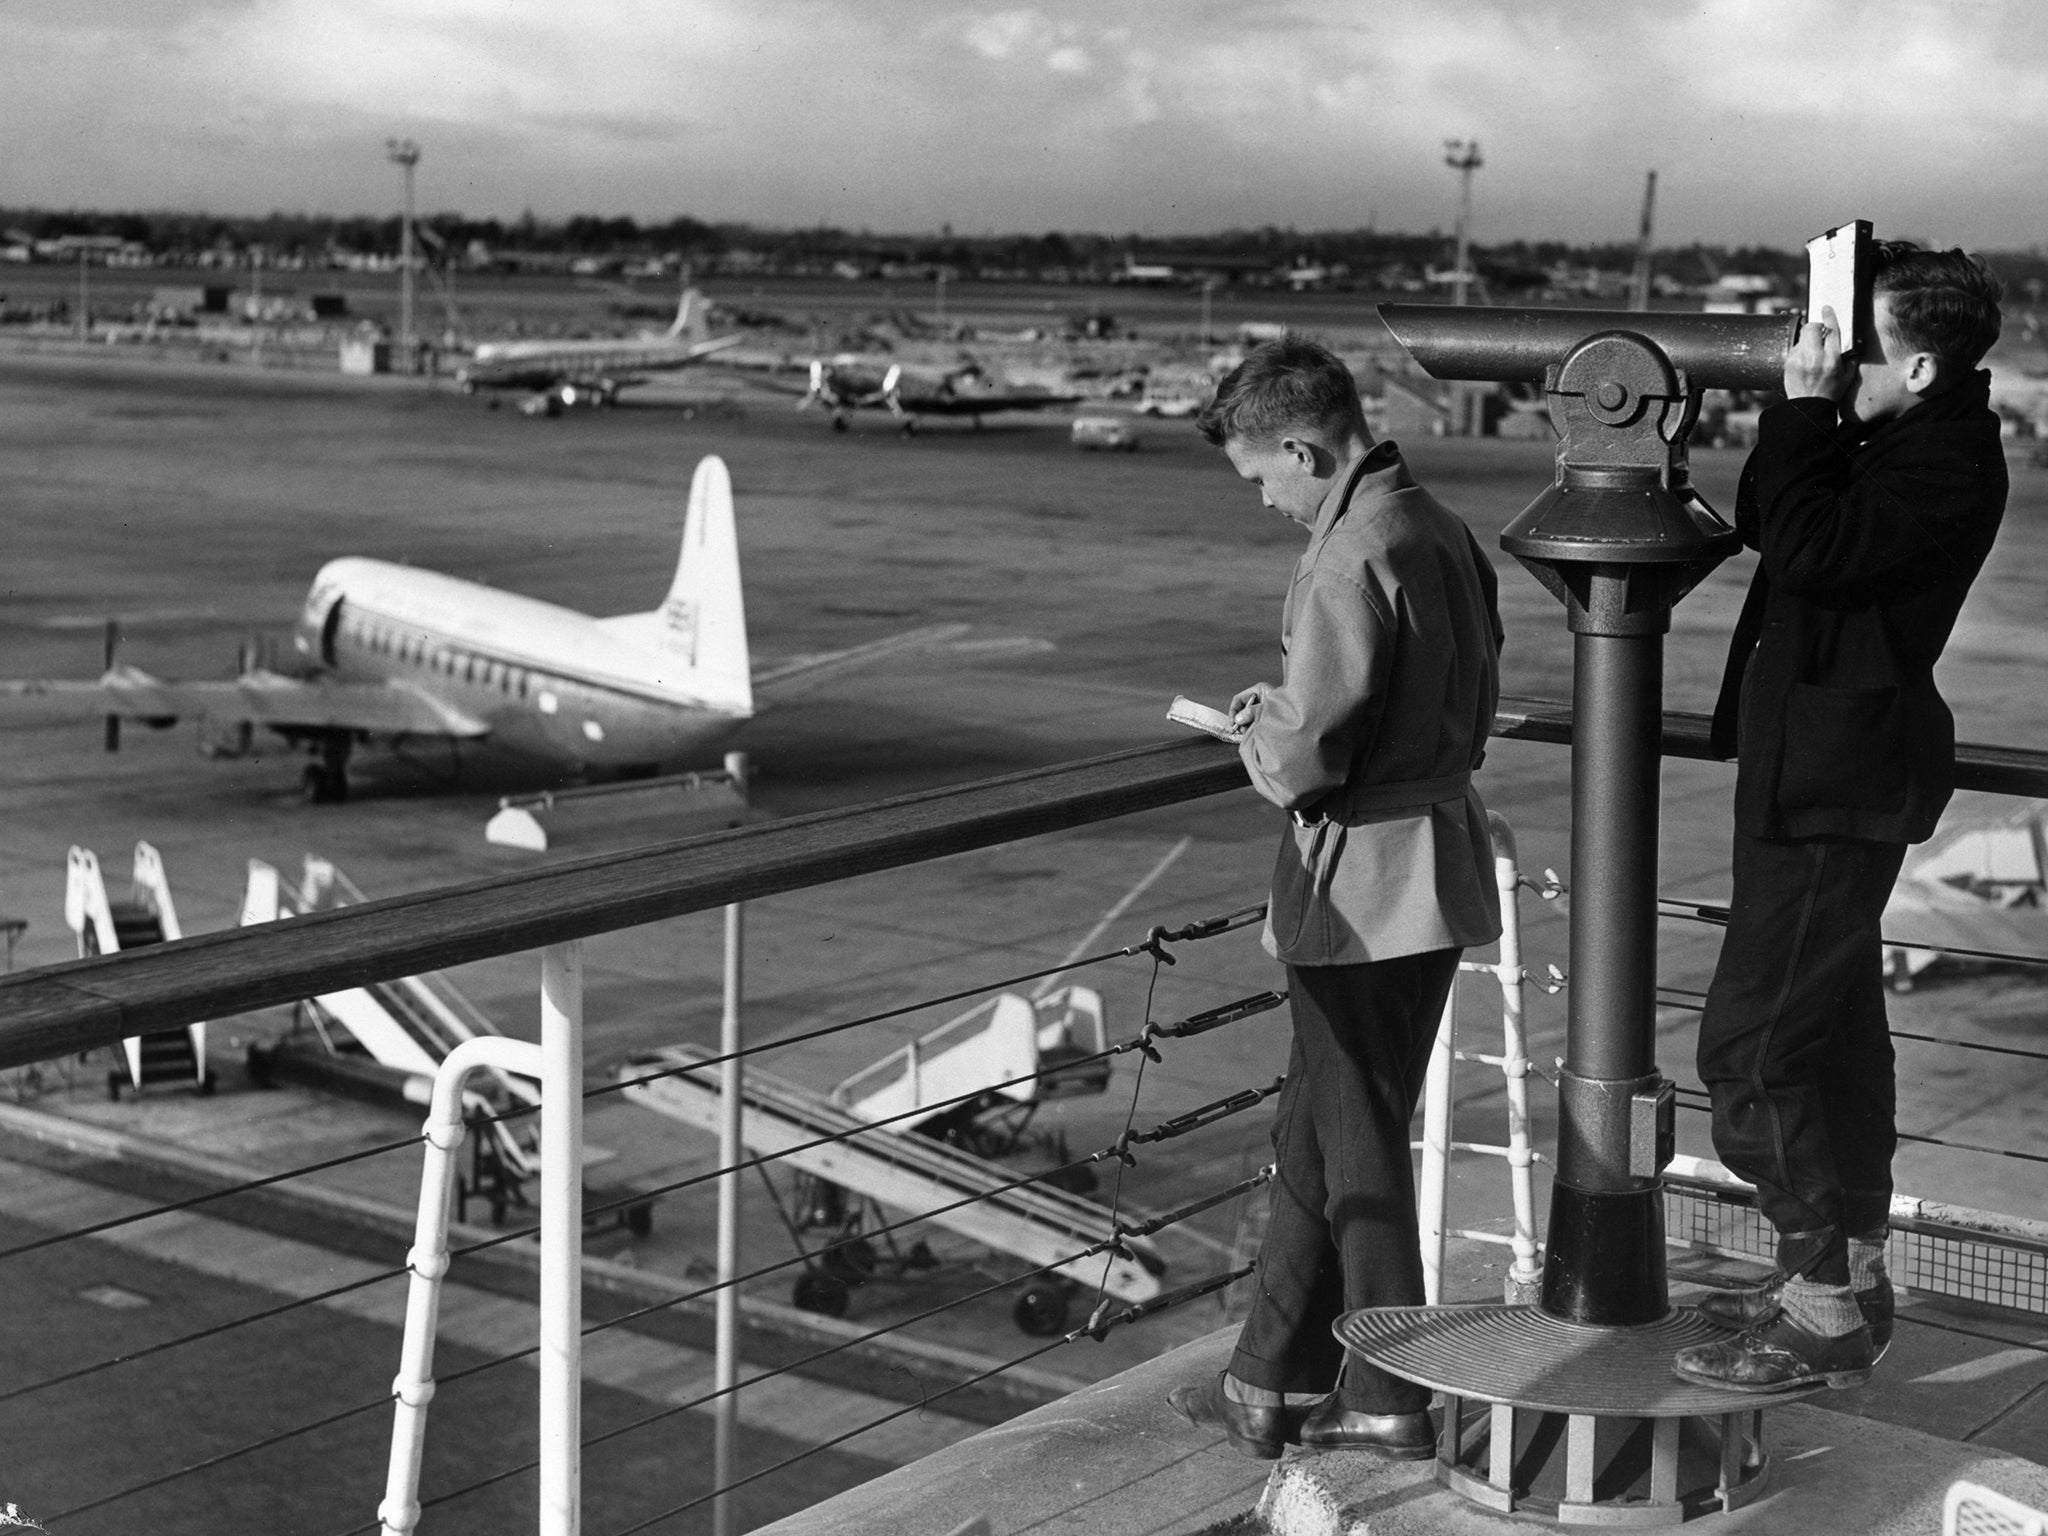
<point>1620,537</point>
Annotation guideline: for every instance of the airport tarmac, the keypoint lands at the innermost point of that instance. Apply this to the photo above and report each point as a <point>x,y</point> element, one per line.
<point>194,504</point>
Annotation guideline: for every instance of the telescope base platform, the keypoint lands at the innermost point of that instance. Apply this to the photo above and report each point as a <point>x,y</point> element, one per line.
<point>1576,1424</point>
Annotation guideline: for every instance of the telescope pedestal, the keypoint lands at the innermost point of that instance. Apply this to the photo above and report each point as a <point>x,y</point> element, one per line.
<point>1578,1424</point>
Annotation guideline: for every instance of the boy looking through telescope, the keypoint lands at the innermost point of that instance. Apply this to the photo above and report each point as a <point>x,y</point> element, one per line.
<point>1872,497</point>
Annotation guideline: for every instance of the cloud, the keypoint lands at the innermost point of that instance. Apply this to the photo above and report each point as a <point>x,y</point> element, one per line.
<point>1000,35</point>
<point>1764,120</point>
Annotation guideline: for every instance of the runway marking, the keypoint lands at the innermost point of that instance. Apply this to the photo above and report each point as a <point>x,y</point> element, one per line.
<point>793,1407</point>
<point>1122,906</point>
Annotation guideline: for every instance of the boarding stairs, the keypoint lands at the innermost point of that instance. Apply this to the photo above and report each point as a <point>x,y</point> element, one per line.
<point>104,927</point>
<point>407,1027</point>
<point>955,1189</point>
<point>976,1080</point>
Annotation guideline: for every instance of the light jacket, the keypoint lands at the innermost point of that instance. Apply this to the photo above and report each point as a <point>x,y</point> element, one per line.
<point>1391,637</point>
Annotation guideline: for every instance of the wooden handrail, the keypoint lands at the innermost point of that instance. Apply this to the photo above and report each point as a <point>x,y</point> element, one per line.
<point>79,1004</point>
<point>1995,770</point>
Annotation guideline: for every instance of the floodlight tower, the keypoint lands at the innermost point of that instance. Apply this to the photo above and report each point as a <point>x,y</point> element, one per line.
<point>1639,282</point>
<point>1462,156</point>
<point>405,154</point>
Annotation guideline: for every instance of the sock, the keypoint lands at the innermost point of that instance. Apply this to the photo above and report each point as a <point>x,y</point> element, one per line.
<point>1866,1260</point>
<point>1827,1310</point>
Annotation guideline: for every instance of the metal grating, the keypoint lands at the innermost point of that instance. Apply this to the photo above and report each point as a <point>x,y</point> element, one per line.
<point>1972,1269</point>
<point>1922,1256</point>
<point>1970,1510</point>
<point>1523,1355</point>
<point>1717,1222</point>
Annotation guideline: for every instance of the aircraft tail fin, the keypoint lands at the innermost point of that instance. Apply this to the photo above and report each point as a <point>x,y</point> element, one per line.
<point>690,324</point>
<point>704,618</point>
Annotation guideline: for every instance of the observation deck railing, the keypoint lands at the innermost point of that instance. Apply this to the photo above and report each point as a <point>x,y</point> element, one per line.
<point>57,1010</point>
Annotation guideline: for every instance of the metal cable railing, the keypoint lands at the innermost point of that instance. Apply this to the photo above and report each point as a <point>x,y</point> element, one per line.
<point>1151,944</point>
<point>1090,1329</point>
<point>1715,916</point>
<point>190,1202</point>
<point>1207,1115</point>
<point>1095,1330</point>
<point>1142,1042</point>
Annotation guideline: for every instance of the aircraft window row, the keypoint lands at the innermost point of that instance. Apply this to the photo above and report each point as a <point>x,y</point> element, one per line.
<point>386,641</point>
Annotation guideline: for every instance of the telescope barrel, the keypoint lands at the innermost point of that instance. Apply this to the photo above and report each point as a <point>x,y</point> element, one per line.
<point>1518,345</point>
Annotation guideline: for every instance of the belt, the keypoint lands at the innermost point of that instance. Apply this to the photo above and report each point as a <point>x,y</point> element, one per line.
<point>1397,795</point>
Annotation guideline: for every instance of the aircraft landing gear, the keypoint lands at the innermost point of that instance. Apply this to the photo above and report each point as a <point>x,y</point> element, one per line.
<point>326,782</point>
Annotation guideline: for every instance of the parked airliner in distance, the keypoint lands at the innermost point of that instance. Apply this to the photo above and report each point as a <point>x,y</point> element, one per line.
<point>393,653</point>
<point>591,372</point>
<point>843,386</point>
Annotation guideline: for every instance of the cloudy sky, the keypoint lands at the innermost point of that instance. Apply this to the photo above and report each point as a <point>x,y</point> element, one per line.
<point>1766,120</point>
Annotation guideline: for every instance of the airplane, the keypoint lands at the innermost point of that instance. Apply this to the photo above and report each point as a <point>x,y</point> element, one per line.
<point>566,373</point>
<point>1978,887</point>
<point>842,387</point>
<point>1977,891</point>
<point>393,653</point>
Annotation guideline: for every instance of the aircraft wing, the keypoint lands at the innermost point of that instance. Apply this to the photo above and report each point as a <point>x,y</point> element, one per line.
<point>261,697</point>
<point>802,674</point>
<point>983,405</point>
<point>1938,915</point>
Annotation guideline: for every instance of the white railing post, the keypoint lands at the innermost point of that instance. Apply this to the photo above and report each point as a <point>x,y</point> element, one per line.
<point>1432,1192</point>
<point>414,1386</point>
<point>561,1239</point>
<point>726,1364</point>
<point>1526,1273</point>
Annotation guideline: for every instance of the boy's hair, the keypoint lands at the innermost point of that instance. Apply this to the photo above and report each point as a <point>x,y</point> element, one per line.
<point>1944,302</point>
<point>1292,384</point>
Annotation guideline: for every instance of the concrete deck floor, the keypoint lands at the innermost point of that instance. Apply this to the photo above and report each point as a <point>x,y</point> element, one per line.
<point>1114,1460</point>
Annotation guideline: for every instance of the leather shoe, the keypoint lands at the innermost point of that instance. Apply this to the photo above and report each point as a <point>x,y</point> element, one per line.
<point>1402,1436</point>
<point>1778,1354</point>
<point>1750,1305</point>
<point>1261,1433</point>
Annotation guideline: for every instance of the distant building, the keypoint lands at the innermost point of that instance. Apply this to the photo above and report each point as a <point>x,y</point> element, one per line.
<point>103,250</point>
<point>187,300</point>
<point>1407,412</point>
<point>1746,293</point>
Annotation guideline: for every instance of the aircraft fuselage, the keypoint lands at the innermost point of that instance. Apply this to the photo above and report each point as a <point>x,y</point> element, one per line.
<point>545,681</point>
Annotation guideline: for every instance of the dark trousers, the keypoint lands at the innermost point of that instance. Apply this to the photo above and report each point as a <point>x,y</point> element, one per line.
<point>1794,1047</point>
<point>1343,1234</point>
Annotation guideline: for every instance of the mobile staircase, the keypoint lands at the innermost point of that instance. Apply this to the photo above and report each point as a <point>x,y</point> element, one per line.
<point>104,927</point>
<point>388,1039</point>
<point>977,1080</point>
<point>844,1151</point>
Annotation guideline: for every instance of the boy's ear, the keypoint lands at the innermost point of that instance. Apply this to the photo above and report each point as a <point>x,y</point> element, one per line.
<point>1922,373</point>
<point>1304,451</point>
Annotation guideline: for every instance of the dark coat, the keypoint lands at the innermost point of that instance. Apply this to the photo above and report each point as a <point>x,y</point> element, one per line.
<point>1869,547</point>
